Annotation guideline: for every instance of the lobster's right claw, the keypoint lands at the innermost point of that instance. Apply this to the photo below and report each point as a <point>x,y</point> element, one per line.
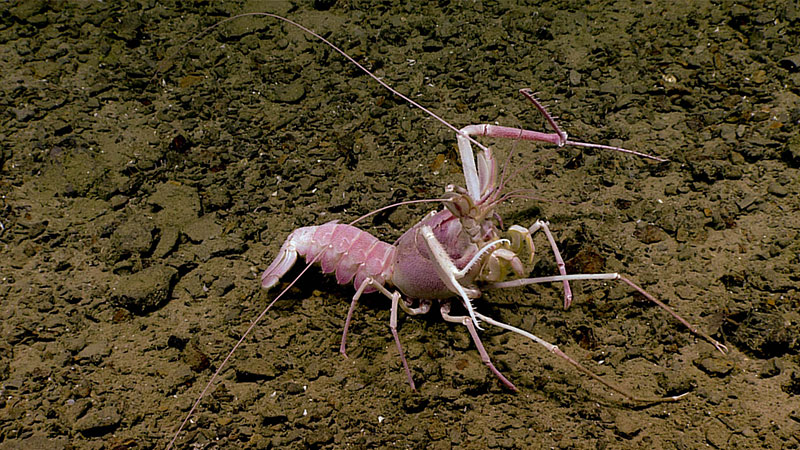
<point>518,235</point>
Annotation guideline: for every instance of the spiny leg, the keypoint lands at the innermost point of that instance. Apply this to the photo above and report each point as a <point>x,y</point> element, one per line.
<point>556,351</point>
<point>696,331</point>
<point>467,321</point>
<point>612,276</point>
<point>395,297</point>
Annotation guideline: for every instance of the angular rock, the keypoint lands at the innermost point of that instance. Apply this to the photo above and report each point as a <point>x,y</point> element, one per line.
<point>146,290</point>
<point>98,423</point>
<point>93,352</point>
<point>715,367</point>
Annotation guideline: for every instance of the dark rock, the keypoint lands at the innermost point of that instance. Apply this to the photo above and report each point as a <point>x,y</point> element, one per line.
<point>292,93</point>
<point>587,260</point>
<point>715,366</point>
<point>764,335</point>
<point>23,114</point>
<point>167,242</point>
<point>675,382</point>
<point>134,237</point>
<point>202,229</point>
<point>792,386</point>
<point>195,357</point>
<point>628,425</point>
<point>777,190</point>
<point>255,369</point>
<point>93,353</point>
<point>74,410</point>
<point>791,152</point>
<point>319,438</point>
<point>650,234</point>
<point>145,290</point>
<point>25,10</point>
<point>98,423</point>
<point>771,368</point>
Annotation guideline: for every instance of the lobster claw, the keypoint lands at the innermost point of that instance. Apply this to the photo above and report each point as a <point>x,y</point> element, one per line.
<point>487,172</point>
<point>497,264</point>
<point>518,234</point>
<point>459,203</point>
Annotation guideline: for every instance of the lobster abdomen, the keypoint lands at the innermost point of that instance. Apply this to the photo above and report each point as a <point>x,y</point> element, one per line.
<point>351,253</point>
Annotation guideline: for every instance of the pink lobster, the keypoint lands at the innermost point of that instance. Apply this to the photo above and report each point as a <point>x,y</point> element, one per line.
<point>452,253</point>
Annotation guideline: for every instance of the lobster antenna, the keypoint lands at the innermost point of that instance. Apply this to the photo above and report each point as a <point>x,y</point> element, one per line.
<point>616,149</point>
<point>394,205</point>
<point>338,50</point>
<point>233,350</point>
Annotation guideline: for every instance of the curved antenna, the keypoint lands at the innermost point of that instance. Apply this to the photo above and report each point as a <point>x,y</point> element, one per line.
<point>616,149</point>
<point>394,205</point>
<point>224,363</point>
<point>338,50</point>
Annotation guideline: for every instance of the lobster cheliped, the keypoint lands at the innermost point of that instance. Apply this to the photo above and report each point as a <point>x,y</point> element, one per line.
<point>453,253</point>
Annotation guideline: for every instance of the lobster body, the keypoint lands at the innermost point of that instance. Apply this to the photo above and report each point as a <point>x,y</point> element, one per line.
<point>451,253</point>
<point>354,255</point>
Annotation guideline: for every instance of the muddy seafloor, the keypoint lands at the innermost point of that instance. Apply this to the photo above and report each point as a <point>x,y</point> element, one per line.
<point>139,207</point>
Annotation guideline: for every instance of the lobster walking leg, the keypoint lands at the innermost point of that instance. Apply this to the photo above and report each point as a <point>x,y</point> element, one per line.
<point>393,327</point>
<point>613,276</point>
<point>350,314</point>
<point>544,226</point>
<point>395,297</point>
<point>556,351</point>
<point>467,322</point>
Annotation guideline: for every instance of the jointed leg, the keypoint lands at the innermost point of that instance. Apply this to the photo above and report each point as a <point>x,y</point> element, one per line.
<point>612,276</point>
<point>393,327</point>
<point>466,321</point>
<point>357,295</point>
<point>544,226</point>
<point>395,297</point>
<point>556,351</point>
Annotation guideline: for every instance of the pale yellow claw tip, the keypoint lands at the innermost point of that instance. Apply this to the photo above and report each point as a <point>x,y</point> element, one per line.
<point>519,233</point>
